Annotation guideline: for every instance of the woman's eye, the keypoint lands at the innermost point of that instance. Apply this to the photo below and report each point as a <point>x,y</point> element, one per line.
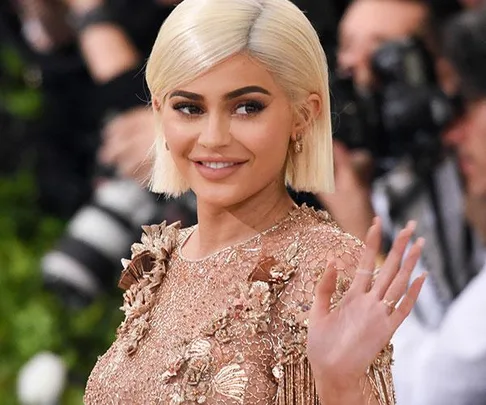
<point>188,109</point>
<point>249,108</point>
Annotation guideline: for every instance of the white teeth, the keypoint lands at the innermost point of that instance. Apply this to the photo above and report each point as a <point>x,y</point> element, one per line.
<point>217,165</point>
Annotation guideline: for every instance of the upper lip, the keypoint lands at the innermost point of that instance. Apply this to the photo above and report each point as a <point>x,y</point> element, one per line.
<point>217,160</point>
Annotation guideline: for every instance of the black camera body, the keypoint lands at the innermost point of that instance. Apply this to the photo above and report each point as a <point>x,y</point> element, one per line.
<point>405,113</point>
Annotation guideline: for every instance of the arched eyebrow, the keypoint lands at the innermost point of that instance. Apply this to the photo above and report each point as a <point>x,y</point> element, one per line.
<point>229,96</point>
<point>246,90</point>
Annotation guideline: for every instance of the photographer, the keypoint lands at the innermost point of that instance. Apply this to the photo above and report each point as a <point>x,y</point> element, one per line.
<point>401,87</point>
<point>406,95</point>
<point>447,365</point>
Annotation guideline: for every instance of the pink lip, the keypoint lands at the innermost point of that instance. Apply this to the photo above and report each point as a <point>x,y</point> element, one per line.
<point>217,174</point>
<point>216,159</point>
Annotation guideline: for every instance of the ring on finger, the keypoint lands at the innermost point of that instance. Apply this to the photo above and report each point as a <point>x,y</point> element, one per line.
<point>390,304</point>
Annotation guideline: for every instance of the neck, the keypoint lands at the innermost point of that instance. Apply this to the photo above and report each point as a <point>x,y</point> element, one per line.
<point>219,227</point>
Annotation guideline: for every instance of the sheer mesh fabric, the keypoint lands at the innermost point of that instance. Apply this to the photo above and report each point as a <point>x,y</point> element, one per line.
<point>230,328</point>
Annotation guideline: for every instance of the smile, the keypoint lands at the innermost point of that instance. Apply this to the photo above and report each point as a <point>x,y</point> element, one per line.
<point>217,170</point>
<point>218,165</point>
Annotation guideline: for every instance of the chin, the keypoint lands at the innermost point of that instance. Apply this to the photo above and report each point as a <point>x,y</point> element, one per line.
<point>222,196</point>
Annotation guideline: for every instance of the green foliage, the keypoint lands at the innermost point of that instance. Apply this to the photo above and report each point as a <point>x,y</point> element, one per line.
<point>31,319</point>
<point>17,97</point>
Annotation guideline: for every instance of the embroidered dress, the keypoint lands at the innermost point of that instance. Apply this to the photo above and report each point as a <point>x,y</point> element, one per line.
<point>230,328</point>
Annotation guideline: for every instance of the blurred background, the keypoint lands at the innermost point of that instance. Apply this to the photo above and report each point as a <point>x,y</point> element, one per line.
<point>407,84</point>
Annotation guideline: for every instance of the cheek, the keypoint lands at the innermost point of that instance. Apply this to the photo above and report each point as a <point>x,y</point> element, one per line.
<point>267,140</point>
<point>178,135</point>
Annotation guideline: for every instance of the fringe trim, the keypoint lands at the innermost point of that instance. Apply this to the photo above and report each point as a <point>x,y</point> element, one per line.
<point>297,387</point>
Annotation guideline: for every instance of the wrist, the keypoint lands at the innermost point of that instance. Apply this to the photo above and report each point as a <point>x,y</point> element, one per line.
<point>338,392</point>
<point>94,14</point>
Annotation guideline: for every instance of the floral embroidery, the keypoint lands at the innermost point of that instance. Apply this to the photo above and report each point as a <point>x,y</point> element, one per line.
<point>250,308</point>
<point>196,367</point>
<point>253,300</point>
<point>141,277</point>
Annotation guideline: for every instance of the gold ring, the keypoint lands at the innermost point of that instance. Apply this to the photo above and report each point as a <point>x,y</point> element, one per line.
<point>389,304</point>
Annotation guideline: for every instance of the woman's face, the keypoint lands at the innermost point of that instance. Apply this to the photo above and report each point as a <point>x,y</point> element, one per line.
<point>228,132</point>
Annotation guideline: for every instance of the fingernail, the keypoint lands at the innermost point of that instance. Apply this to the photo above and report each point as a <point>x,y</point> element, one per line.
<point>425,274</point>
<point>411,225</point>
<point>421,242</point>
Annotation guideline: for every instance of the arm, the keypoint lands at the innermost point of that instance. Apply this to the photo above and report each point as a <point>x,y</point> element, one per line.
<point>329,382</point>
<point>348,337</point>
<point>376,387</point>
<point>106,48</point>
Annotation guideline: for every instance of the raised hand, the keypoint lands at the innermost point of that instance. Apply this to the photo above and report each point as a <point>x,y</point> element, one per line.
<point>344,342</point>
<point>127,144</point>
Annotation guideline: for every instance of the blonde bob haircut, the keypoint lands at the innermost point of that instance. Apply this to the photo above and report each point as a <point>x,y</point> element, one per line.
<point>200,34</point>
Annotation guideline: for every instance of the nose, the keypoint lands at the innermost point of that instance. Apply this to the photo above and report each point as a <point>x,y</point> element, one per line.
<point>455,134</point>
<point>216,132</point>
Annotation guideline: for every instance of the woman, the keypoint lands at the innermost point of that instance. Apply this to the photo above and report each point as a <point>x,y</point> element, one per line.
<point>238,309</point>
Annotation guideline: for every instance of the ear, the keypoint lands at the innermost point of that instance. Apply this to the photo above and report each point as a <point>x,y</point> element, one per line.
<point>156,105</point>
<point>306,114</point>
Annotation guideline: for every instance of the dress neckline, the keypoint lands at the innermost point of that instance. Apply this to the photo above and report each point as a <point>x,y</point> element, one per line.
<point>295,208</point>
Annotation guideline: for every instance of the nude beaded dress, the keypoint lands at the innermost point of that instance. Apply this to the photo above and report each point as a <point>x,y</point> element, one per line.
<point>230,328</point>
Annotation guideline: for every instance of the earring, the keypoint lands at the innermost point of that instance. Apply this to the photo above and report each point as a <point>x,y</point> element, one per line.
<point>298,144</point>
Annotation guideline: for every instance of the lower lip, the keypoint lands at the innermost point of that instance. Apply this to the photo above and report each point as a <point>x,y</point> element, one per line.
<point>217,174</point>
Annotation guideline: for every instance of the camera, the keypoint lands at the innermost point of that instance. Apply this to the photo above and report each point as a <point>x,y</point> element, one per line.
<point>405,112</point>
<point>86,260</point>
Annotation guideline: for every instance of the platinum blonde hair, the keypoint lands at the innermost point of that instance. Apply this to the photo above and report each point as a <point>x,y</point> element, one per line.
<point>200,34</point>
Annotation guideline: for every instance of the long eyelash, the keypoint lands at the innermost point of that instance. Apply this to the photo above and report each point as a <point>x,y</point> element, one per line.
<point>259,106</point>
<point>179,106</point>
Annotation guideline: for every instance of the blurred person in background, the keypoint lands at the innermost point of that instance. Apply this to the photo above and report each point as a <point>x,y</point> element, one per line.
<point>391,51</point>
<point>447,365</point>
<point>398,168</point>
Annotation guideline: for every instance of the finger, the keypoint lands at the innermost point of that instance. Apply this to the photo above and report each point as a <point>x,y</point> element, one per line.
<point>114,149</point>
<point>408,301</point>
<point>366,266</point>
<point>325,288</point>
<point>399,285</point>
<point>393,260</point>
